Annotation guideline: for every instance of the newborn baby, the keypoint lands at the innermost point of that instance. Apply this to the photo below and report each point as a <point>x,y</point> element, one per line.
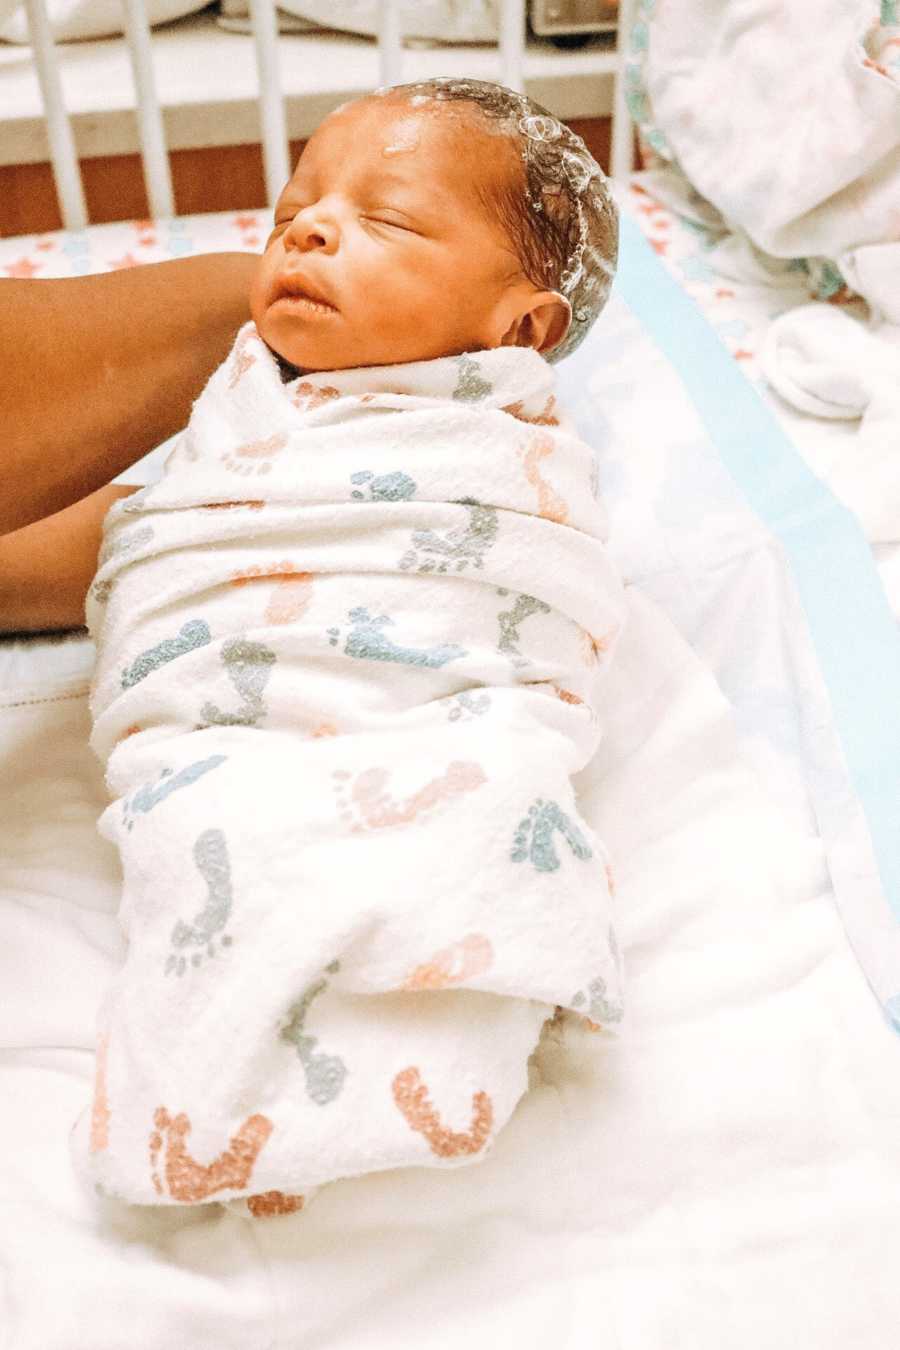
<point>349,657</point>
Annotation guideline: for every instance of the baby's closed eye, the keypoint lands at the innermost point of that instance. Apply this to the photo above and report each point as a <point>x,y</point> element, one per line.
<point>397,220</point>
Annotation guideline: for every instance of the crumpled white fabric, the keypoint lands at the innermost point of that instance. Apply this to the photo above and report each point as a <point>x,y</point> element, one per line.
<point>827,364</point>
<point>786,117</point>
<point>75,20</point>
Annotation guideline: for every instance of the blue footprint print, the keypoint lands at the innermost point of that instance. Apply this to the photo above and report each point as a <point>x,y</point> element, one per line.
<point>324,1074</point>
<point>127,543</point>
<point>385,487</point>
<point>211,860</point>
<point>471,386</point>
<point>510,620</point>
<point>368,642</point>
<point>249,666</point>
<point>544,819</point>
<point>151,794</point>
<point>461,546</point>
<point>600,1008</point>
<point>193,634</point>
<point>467,705</point>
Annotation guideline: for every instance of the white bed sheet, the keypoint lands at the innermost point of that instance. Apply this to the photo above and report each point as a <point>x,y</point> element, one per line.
<point>725,1175</point>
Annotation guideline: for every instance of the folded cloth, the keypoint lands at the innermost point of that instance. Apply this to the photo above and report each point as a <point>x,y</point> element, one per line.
<point>810,173</point>
<point>349,656</point>
<point>829,365</point>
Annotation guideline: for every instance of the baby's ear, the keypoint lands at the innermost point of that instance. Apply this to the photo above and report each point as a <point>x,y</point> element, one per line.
<point>542,323</point>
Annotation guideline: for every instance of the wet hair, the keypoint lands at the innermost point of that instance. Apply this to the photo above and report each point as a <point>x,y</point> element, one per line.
<point>560,215</point>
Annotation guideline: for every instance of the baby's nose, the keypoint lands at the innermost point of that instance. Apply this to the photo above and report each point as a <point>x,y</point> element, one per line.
<point>311,230</point>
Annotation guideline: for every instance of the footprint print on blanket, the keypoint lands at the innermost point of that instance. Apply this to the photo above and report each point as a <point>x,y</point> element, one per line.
<point>411,1099</point>
<point>461,546</point>
<point>249,666</point>
<point>324,1074</point>
<point>191,1182</point>
<point>241,358</point>
<point>127,543</point>
<point>307,397</point>
<point>471,955</point>
<point>551,505</point>
<point>370,807</point>
<point>255,457</point>
<point>471,386</point>
<point>601,1010</point>
<point>545,418</point>
<point>368,642</point>
<point>193,634</point>
<point>151,794</point>
<point>534,837</point>
<point>268,1203</point>
<point>510,621</point>
<point>211,860</point>
<point>291,593</point>
<point>466,706</point>
<point>385,487</point>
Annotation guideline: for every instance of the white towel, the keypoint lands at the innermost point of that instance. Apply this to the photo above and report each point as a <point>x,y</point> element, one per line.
<point>827,364</point>
<point>349,656</point>
<point>786,119</point>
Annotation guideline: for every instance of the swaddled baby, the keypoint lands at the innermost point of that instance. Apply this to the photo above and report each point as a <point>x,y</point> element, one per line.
<point>350,651</point>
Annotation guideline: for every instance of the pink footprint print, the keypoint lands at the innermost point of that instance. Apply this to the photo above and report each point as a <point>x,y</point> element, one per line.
<point>550,505</point>
<point>412,1100</point>
<point>255,456</point>
<point>566,695</point>
<point>190,1181</point>
<point>291,594</point>
<point>472,955</point>
<point>241,359</point>
<point>308,396</point>
<point>274,1202</point>
<point>376,809</point>
<point>545,418</point>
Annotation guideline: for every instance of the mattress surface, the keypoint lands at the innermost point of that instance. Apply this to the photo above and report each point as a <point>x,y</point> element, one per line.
<point>725,1174</point>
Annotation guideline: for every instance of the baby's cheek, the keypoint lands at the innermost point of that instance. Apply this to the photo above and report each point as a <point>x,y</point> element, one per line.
<point>257,291</point>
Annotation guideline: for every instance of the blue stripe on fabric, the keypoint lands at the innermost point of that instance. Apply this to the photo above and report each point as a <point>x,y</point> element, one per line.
<point>850,621</point>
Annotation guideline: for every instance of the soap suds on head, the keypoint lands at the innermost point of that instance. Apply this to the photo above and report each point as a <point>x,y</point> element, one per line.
<point>563,220</point>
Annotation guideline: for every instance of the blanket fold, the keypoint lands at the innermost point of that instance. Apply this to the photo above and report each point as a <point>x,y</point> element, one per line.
<point>350,652</point>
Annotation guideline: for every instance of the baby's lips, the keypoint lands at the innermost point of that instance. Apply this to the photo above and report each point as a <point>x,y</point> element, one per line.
<point>293,284</point>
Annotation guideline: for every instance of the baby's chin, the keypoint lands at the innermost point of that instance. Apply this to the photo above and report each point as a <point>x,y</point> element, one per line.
<point>298,357</point>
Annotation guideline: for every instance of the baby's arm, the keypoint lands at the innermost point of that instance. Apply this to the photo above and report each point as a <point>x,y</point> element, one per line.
<point>46,568</point>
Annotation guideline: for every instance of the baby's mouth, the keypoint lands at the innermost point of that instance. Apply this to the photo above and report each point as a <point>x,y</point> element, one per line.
<point>301,295</point>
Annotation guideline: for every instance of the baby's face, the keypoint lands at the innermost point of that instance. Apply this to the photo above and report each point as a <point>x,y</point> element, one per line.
<point>381,250</point>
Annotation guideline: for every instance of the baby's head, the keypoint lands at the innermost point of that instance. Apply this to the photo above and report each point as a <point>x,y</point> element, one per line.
<point>432,219</point>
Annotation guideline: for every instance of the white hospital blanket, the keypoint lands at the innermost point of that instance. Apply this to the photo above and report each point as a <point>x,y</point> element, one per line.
<point>786,118</point>
<point>340,722</point>
<point>739,1143</point>
<point>726,1172</point>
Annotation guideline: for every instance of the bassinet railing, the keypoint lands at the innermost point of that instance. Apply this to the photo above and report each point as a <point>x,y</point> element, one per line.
<point>273,127</point>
